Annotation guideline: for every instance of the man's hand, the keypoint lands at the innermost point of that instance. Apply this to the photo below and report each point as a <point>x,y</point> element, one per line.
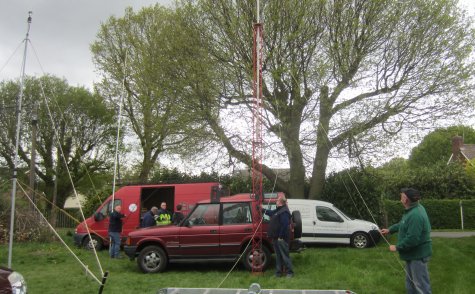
<point>392,248</point>
<point>384,231</point>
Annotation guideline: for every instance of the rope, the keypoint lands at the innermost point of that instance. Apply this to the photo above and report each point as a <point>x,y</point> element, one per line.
<point>62,118</point>
<point>116,156</point>
<point>11,56</point>
<point>245,249</point>
<point>59,237</point>
<point>56,206</point>
<point>362,199</point>
<point>69,173</point>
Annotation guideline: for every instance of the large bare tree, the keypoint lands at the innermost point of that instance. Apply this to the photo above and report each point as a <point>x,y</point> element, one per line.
<point>335,73</point>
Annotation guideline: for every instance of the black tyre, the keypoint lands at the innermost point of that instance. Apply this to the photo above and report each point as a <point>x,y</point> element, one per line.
<point>264,254</point>
<point>95,241</point>
<point>297,220</point>
<point>360,240</point>
<point>152,259</point>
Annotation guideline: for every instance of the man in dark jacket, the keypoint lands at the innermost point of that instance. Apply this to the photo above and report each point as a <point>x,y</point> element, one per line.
<point>149,218</point>
<point>278,231</point>
<point>115,228</point>
<point>178,215</point>
<point>414,244</point>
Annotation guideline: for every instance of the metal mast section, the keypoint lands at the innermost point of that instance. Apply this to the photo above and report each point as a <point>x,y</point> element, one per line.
<point>18,127</point>
<point>257,144</point>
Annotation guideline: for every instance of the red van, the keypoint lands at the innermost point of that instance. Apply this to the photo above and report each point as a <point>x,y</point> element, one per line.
<point>137,200</point>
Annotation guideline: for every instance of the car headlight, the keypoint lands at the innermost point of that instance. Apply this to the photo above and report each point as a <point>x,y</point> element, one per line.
<point>17,282</point>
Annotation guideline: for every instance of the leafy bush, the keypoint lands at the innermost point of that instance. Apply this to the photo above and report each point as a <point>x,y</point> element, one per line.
<point>443,213</point>
<point>347,188</point>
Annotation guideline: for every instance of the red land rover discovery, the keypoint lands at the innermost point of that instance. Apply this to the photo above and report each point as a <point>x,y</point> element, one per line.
<point>220,230</point>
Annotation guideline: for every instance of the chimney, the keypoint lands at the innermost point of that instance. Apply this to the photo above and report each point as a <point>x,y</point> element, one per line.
<point>457,143</point>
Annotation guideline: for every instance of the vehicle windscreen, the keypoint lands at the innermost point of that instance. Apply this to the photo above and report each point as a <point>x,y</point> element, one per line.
<point>342,213</point>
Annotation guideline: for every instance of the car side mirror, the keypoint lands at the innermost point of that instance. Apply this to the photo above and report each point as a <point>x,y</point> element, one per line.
<point>98,216</point>
<point>187,223</point>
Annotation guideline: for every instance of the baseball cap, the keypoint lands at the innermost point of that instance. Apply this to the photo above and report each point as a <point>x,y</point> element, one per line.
<point>412,194</point>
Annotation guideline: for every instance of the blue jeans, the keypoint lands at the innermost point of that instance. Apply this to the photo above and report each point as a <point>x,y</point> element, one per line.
<point>114,247</point>
<point>417,277</point>
<point>282,257</point>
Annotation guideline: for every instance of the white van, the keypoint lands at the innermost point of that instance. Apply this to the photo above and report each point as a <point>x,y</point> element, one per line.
<point>322,222</point>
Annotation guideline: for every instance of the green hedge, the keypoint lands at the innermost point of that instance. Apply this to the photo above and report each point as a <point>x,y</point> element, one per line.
<point>443,213</point>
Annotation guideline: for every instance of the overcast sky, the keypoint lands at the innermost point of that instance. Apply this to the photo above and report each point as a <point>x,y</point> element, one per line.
<point>61,33</point>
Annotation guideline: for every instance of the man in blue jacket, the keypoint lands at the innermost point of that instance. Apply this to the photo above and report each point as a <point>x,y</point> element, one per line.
<point>278,231</point>
<point>414,244</point>
<point>149,218</point>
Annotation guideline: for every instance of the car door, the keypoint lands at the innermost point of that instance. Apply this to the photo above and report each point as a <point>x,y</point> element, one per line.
<point>199,235</point>
<point>236,226</point>
<point>330,227</point>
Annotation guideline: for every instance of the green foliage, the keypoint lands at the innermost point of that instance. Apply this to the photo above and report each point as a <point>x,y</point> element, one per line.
<point>75,128</point>
<point>443,213</point>
<point>94,199</point>
<point>436,147</point>
<point>351,189</point>
<point>437,181</point>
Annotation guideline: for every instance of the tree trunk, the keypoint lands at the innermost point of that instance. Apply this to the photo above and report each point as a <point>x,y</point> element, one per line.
<point>146,167</point>
<point>324,146</point>
<point>317,182</point>
<point>296,182</point>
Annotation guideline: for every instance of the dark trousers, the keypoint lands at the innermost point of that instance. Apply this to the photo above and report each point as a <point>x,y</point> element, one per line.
<point>282,257</point>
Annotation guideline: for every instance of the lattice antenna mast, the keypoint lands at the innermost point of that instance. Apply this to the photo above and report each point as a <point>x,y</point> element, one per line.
<point>257,142</point>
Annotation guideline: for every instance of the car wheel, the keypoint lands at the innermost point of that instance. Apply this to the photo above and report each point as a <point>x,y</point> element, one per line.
<point>297,220</point>
<point>152,259</point>
<point>360,240</point>
<point>95,241</point>
<point>264,254</point>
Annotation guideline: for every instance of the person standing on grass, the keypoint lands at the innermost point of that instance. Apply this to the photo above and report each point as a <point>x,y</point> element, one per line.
<point>278,231</point>
<point>115,228</point>
<point>414,244</point>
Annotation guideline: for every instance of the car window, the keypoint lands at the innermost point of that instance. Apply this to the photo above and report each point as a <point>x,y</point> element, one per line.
<point>236,213</point>
<point>205,214</point>
<point>326,214</point>
<point>106,209</point>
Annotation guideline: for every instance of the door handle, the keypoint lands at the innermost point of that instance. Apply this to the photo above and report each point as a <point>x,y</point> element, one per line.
<point>314,222</point>
<point>248,230</point>
<point>213,231</point>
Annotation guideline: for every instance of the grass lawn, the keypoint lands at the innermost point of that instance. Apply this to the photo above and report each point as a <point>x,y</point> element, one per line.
<point>50,268</point>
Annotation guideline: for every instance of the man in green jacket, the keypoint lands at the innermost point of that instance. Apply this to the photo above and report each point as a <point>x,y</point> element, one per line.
<point>414,244</point>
